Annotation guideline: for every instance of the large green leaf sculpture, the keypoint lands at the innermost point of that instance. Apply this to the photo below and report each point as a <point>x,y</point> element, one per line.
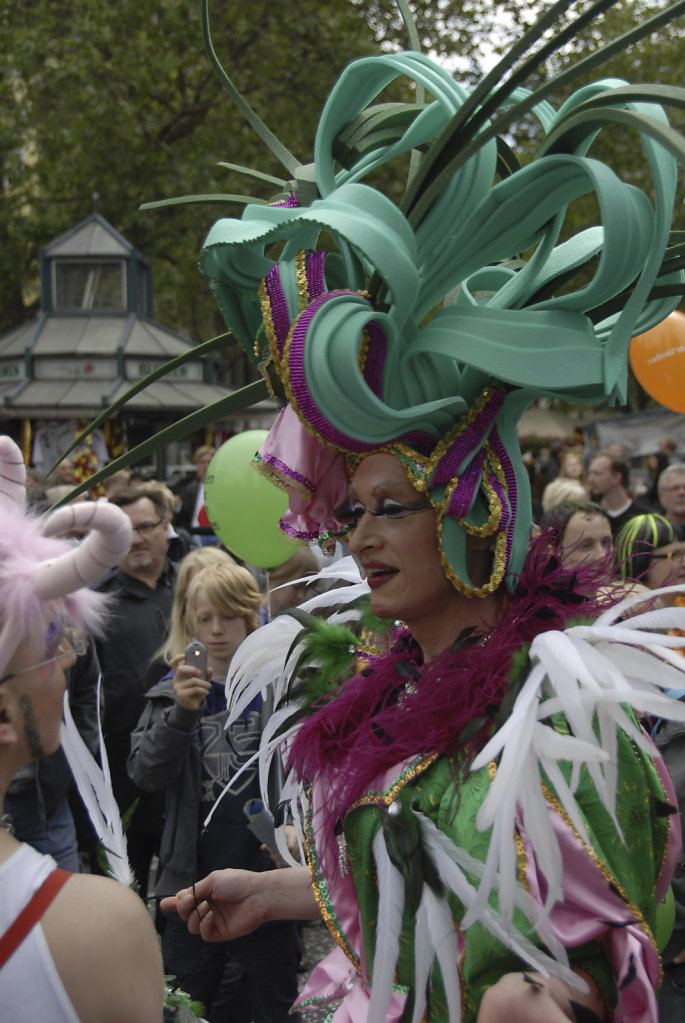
<point>442,274</point>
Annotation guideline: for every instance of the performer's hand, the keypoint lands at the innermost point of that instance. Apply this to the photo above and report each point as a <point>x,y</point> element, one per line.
<point>189,686</point>
<point>532,998</point>
<point>224,905</point>
<point>229,903</point>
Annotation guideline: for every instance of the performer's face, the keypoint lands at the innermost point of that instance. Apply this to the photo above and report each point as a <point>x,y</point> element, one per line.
<point>395,540</point>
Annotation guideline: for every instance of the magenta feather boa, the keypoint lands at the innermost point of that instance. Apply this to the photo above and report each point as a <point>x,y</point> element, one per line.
<point>374,723</point>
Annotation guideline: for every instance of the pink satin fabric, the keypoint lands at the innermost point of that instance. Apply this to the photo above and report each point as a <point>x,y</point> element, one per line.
<point>312,473</point>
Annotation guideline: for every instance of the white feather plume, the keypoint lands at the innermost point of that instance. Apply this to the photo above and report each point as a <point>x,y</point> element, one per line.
<point>388,928</point>
<point>588,673</point>
<point>266,657</point>
<point>444,941</point>
<point>95,789</point>
<point>424,957</point>
<point>452,864</point>
<point>265,661</point>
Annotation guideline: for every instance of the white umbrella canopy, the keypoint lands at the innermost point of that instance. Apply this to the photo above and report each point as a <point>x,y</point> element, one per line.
<point>544,424</point>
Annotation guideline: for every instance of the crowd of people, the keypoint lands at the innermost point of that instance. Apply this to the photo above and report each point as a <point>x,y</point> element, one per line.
<point>162,722</point>
<point>164,719</point>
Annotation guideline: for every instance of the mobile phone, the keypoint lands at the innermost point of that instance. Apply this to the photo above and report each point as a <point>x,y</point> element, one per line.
<point>196,654</point>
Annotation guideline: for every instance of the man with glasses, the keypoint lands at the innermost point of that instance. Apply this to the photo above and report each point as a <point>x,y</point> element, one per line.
<point>143,585</point>
<point>671,490</point>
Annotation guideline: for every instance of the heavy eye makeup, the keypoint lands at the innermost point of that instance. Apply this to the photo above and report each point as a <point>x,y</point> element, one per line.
<point>388,508</point>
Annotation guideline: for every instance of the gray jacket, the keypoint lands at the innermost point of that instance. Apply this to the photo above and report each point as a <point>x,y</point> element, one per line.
<point>166,757</point>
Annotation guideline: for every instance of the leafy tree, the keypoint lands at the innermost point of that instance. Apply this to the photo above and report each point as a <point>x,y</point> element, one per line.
<point>121,101</point>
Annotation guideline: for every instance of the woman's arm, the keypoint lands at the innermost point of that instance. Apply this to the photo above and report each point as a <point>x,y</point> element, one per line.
<point>229,903</point>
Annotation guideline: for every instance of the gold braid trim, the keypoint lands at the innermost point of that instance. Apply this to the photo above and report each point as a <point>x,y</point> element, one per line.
<point>325,905</point>
<point>664,852</point>
<point>603,869</point>
<point>389,796</point>
<point>301,279</point>
<point>268,322</point>
<point>522,860</point>
<point>500,547</point>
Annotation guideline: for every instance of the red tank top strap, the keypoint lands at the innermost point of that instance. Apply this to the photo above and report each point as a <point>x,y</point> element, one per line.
<point>31,913</point>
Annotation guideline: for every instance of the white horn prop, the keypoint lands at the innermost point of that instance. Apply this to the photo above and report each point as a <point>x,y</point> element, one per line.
<point>102,549</point>
<point>12,474</point>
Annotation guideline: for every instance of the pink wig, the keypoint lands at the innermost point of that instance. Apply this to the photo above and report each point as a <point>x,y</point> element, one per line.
<point>43,577</point>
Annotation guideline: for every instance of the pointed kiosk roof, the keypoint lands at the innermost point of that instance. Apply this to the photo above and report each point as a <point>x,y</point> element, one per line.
<point>95,337</point>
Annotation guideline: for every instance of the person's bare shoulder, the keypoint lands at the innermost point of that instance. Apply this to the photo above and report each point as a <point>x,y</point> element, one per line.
<point>106,951</point>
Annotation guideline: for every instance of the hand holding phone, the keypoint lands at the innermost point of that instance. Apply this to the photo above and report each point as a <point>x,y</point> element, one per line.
<point>196,654</point>
<point>190,689</point>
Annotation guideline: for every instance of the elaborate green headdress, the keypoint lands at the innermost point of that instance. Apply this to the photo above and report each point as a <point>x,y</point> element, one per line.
<point>428,327</point>
<point>422,330</point>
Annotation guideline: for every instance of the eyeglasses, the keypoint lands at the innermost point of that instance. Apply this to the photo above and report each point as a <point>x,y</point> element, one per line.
<point>146,527</point>
<point>62,651</point>
<point>677,554</point>
<point>60,641</point>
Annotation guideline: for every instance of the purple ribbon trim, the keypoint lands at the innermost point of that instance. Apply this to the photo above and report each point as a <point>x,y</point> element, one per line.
<point>469,481</point>
<point>297,534</point>
<point>470,439</point>
<point>316,282</point>
<point>375,359</point>
<point>421,442</point>
<point>285,470</point>
<point>508,497</point>
<point>289,204</point>
<point>280,317</point>
<point>298,383</point>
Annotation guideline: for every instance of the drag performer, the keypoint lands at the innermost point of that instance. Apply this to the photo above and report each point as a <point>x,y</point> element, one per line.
<point>488,831</point>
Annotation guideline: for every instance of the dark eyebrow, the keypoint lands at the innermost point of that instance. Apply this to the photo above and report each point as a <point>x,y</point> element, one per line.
<point>386,483</point>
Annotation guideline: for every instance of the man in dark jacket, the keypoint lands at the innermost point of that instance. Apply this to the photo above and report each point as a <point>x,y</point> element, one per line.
<point>143,589</point>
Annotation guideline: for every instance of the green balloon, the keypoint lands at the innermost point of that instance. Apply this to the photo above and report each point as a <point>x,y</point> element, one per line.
<point>243,507</point>
<point>665,920</point>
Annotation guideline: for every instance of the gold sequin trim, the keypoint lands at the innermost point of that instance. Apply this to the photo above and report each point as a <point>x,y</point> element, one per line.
<point>389,796</point>
<point>301,278</point>
<point>494,502</point>
<point>323,902</point>
<point>522,860</point>
<point>664,851</point>
<point>267,318</point>
<point>601,866</point>
<point>498,567</point>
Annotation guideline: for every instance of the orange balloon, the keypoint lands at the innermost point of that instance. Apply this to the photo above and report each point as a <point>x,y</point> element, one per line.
<point>657,358</point>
